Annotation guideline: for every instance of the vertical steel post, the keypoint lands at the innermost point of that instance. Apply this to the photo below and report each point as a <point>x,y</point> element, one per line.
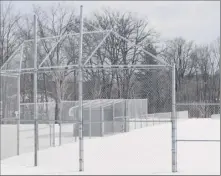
<point>113,124</point>
<point>174,120</point>
<point>18,116</point>
<point>140,112</point>
<point>35,92</point>
<point>102,120</point>
<point>1,63</point>
<point>59,132</point>
<point>125,116</point>
<point>80,77</point>
<point>146,111</point>
<point>50,142</point>
<point>135,110</point>
<point>60,123</point>
<point>90,111</point>
<point>53,133</point>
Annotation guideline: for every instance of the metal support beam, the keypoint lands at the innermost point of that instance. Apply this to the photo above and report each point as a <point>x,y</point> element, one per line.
<point>113,122</point>
<point>67,35</point>
<point>102,121</point>
<point>98,46</point>
<point>90,111</point>
<point>80,77</point>
<point>18,116</point>
<point>147,52</point>
<point>220,86</point>
<point>137,66</point>
<point>35,93</point>
<point>11,57</point>
<point>197,140</point>
<point>174,121</point>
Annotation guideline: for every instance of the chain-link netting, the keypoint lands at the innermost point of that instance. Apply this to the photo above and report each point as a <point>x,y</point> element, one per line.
<point>198,116</point>
<point>9,114</point>
<point>126,99</point>
<point>117,97</point>
<point>9,90</point>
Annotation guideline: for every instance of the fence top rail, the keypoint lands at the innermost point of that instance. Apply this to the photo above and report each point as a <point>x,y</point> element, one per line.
<point>86,67</point>
<point>197,104</point>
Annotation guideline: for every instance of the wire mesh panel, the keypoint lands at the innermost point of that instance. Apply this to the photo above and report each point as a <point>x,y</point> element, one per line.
<point>198,114</point>
<point>117,96</point>
<point>9,96</point>
<point>9,115</point>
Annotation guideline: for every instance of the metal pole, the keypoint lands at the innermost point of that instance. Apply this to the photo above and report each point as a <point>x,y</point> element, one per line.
<point>125,116</point>
<point>1,63</point>
<point>113,124</point>
<point>90,120</point>
<point>53,134</point>
<point>102,120</point>
<point>18,116</point>
<point>146,111</point>
<point>1,107</point>
<point>50,133</point>
<point>174,150</point>
<point>19,102</point>
<point>135,110</point>
<point>60,128</point>
<point>140,111</point>
<point>59,132</point>
<point>35,92</point>
<point>81,147</point>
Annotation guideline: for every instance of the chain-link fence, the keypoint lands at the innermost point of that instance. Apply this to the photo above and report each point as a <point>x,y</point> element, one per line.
<point>198,95</point>
<point>123,88</point>
<point>107,109</point>
<point>9,96</point>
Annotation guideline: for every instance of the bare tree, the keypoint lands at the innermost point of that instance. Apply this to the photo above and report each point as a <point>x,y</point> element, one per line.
<point>8,43</point>
<point>57,22</point>
<point>116,51</point>
<point>9,28</point>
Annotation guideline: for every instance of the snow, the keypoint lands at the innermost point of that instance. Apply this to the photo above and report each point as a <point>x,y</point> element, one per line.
<point>142,151</point>
<point>215,116</point>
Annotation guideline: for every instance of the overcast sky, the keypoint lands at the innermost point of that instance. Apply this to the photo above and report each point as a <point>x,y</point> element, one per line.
<point>192,20</point>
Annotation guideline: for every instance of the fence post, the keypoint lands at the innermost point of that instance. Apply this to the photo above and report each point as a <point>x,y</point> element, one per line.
<point>60,132</point>
<point>35,93</point>
<point>50,141</point>
<point>220,87</point>
<point>113,124</point>
<point>18,116</point>
<point>135,112</point>
<point>125,116</point>
<point>80,77</point>
<point>90,111</point>
<point>102,120</point>
<point>60,123</point>
<point>18,129</point>
<point>174,120</point>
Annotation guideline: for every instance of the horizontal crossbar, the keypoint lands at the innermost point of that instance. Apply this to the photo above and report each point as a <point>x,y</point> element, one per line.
<point>197,140</point>
<point>197,104</point>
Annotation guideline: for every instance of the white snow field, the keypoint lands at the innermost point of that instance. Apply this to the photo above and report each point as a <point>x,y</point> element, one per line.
<point>143,151</point>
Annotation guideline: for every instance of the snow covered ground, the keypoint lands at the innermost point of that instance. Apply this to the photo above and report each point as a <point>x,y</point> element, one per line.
<point>142,151</point>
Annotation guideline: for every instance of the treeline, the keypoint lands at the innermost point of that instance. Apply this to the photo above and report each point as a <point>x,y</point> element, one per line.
<point>197,66</point>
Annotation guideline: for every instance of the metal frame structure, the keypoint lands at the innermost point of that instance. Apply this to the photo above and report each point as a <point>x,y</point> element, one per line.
<point>80,67</point>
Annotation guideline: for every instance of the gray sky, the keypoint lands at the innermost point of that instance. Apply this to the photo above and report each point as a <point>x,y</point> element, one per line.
<point>192,20</point>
